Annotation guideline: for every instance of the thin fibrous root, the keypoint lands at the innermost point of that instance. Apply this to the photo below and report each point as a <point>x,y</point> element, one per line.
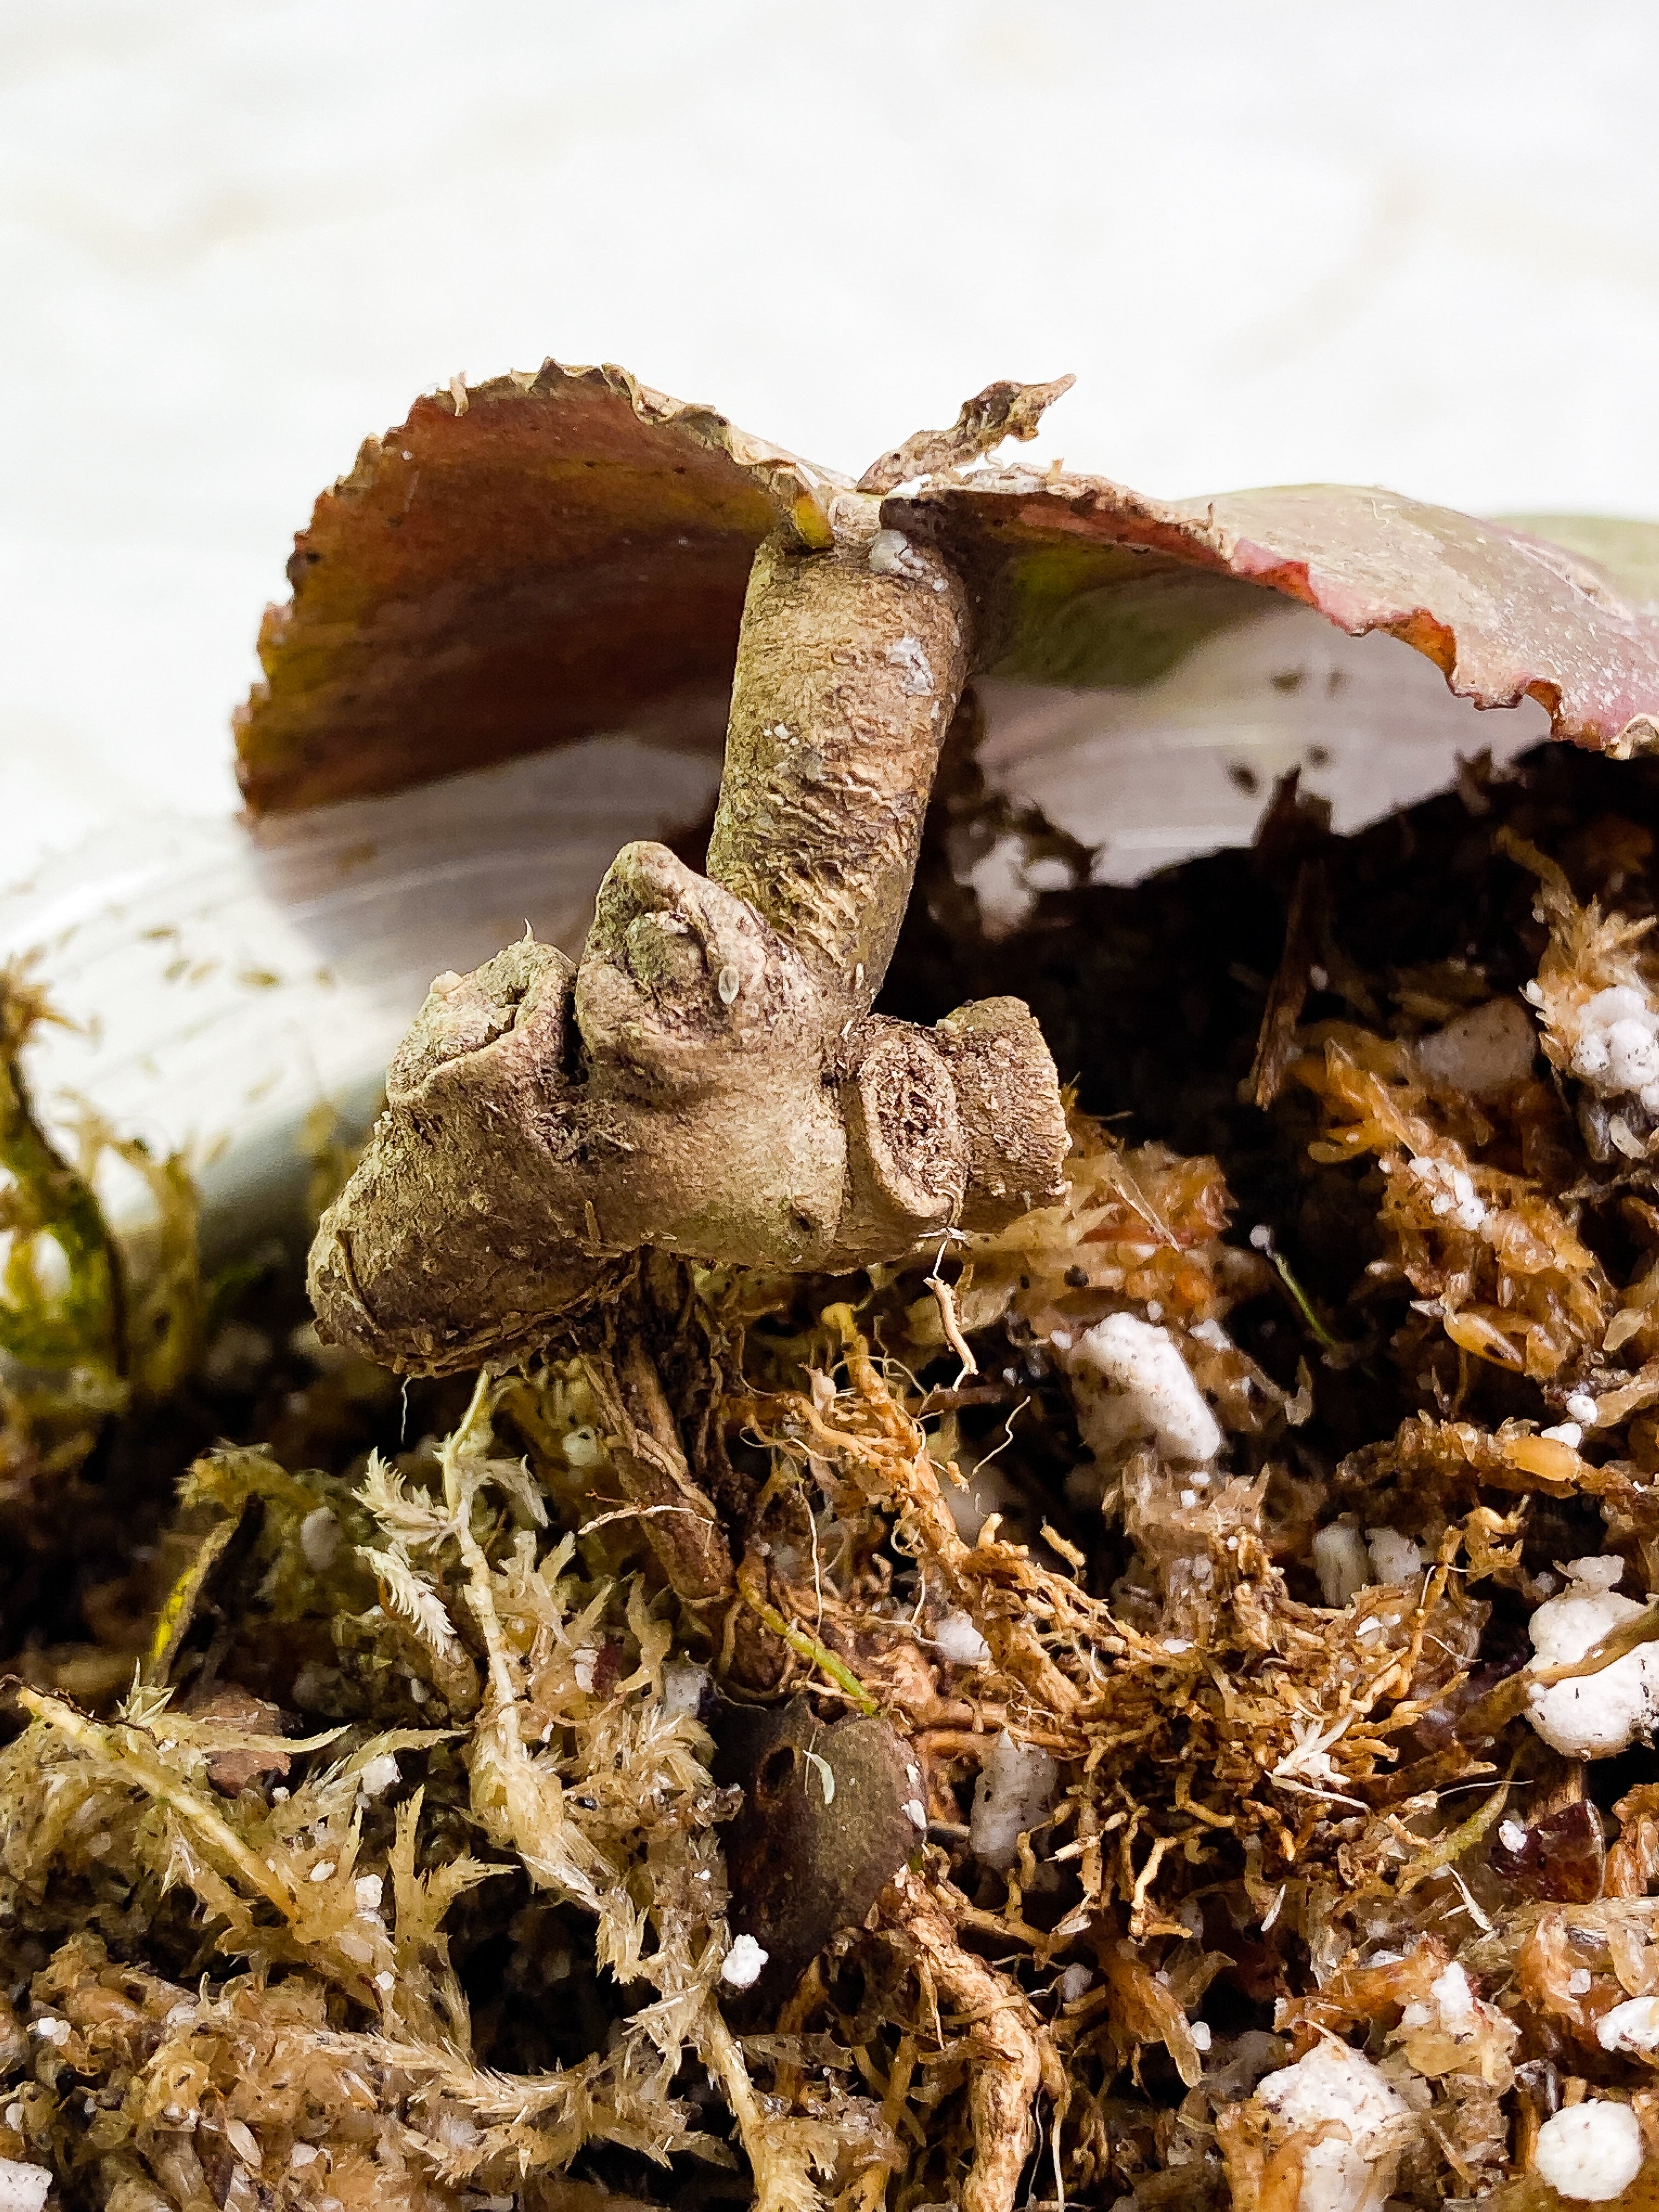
<point>1010,2058</point>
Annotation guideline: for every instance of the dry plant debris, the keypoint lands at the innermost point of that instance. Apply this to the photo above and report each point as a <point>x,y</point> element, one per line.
<point>1131,1688</point>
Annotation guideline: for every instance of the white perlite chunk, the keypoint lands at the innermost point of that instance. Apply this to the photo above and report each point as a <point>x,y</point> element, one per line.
<point>1333,2083</point>
<point>1453,1998</point>
<point>1450,1191</point>
<point>1616,1049</point>
<point>1631,2027</point>
<point>1129,1380</point>
<point>320,1539</point>
<point>1590,2152</point>
<point>957,1639</point>
<point>583,1450</point>
<point>1016,1788</point>
<point>1600,1714</point>
<point>378,1775</point>
<point>742,1964</point>
<point>22,2188</point>
<point>1485,1052</point>
<point>997,881</point>
<point>1395,1558</point>
<point>684,1685</point>
<point>889,555</point>
<point>1342,1563</point>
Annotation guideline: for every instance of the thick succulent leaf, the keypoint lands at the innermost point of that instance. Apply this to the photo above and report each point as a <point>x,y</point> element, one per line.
<point>557,555</point>
<point>539,559</point>
<point>1081,581</point>
<point>1628,551</point>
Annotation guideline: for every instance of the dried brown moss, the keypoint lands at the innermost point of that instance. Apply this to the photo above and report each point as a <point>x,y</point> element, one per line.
<point>398,1874</point>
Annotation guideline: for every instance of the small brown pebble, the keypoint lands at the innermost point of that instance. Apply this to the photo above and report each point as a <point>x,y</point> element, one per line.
<point>232,1772</point>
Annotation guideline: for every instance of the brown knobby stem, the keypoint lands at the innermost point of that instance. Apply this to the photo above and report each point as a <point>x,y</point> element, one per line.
<point>709,1080</point>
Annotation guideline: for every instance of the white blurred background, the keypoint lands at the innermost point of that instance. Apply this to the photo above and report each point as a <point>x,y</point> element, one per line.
<point>1416,245</point>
